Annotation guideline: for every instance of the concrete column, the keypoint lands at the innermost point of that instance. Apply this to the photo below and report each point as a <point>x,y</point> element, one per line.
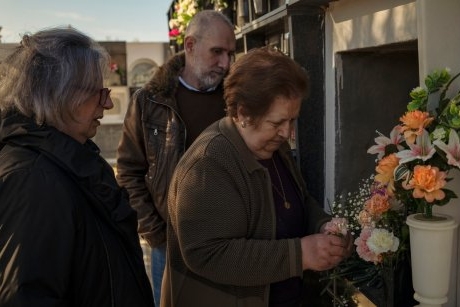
<point>439,47</point>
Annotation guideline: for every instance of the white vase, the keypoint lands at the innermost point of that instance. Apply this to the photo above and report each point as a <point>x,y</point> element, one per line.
<point>431,252</point>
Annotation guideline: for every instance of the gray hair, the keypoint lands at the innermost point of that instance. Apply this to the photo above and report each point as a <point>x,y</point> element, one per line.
<point>51,73</point>
<point>204,20</point>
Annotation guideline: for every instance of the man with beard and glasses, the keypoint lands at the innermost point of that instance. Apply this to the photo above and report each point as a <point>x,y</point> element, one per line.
<point>163,119</point>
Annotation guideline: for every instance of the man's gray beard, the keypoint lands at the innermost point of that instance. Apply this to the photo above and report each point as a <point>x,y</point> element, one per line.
<point>208,82</point>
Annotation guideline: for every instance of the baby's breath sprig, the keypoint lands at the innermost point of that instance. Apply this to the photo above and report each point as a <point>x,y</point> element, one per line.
<point>349,205</point>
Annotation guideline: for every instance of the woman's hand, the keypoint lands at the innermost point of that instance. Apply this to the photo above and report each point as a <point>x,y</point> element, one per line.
<point>323,252</point>
<point>349,244</point>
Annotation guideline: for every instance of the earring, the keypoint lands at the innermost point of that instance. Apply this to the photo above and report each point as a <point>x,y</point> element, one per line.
<point>243,124</point>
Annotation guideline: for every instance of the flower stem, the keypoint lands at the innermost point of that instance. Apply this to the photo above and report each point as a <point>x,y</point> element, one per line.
<point>428,212</point>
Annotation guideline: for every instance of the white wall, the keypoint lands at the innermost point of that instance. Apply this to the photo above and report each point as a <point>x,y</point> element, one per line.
<point>366,23</point>
<point>153,51</point>
<point>153,54</point>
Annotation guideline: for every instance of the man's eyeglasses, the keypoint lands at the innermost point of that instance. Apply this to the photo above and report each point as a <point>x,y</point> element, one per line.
<point>104,94</point>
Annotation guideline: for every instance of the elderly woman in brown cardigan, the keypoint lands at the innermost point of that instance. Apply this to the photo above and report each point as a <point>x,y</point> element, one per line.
<point>242,227</point>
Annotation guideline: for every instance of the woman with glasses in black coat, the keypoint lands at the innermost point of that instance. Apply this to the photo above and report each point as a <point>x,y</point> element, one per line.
<point>67,233</point>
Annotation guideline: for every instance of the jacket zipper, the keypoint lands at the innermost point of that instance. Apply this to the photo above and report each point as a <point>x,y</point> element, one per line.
<point>108,264</point>
<point>178,116</point>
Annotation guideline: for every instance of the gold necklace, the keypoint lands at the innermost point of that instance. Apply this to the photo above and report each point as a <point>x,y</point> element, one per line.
<point>287,204</point>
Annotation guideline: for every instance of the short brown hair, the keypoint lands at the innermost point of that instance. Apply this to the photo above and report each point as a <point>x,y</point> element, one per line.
<point>258,77</point>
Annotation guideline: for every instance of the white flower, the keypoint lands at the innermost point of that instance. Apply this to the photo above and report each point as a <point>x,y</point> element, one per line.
<point>382,241</point>
<point>173,23</point>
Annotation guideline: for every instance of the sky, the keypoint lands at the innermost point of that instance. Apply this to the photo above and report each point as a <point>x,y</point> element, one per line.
<point>103,20</point>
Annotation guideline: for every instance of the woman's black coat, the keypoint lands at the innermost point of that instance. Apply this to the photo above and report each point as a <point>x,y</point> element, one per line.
<point>67,233</point>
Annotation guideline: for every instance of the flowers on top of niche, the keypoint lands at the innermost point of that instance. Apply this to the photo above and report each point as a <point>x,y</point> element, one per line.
<point>184,10</point>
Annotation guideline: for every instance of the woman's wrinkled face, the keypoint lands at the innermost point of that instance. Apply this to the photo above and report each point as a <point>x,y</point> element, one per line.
<point>265,136</point>
<point>86,118</point>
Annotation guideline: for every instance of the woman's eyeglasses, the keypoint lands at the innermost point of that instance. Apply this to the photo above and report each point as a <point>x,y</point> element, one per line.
<point>104,94</point>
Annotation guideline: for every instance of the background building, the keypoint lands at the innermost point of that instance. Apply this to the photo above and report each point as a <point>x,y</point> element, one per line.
<point>133,64</point>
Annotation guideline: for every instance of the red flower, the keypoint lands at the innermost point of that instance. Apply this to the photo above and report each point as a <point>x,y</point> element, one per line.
<point>113,67</point>
<point>174,33</point>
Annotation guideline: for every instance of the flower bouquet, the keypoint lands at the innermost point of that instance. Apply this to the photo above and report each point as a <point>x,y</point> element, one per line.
<point>411,176</point>
<point>413,163</point>
<point>376,221</point>
<point>184,10</point>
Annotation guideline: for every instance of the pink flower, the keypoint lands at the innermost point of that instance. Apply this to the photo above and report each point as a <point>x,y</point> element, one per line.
<point>452,150</point>
<point>174,33</point>
<point>374,242</point>
<point>422,149</point>
<point>382,142</point>
<point>113,67</point>
<point>363,249</point>
<point>337,226</point>
<point>364,218</point>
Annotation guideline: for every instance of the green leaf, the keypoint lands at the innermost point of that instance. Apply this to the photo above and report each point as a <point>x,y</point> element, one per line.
<point>436,80</point>
<point>449,194</point>
<point>401,172</point>
<point>414,105</point>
